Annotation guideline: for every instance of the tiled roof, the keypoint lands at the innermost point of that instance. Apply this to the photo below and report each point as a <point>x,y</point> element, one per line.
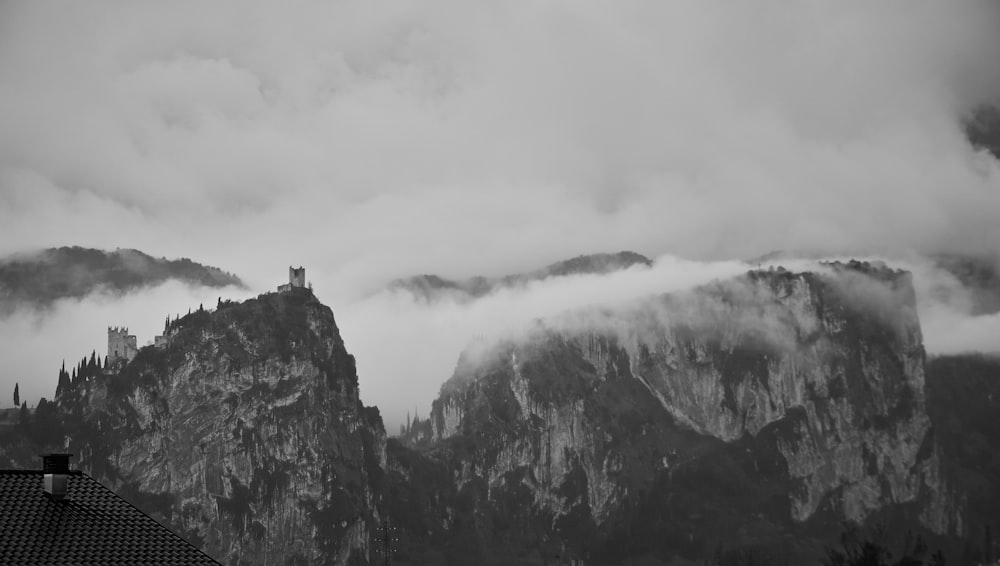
<point>92,526</point>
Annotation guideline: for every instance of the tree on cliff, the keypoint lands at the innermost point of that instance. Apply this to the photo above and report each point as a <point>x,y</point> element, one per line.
<point>17,396</point>
<point>64,381</point>
<point>858,550</point>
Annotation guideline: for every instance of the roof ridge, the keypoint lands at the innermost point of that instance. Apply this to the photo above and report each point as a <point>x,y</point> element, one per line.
<point>43,531</point>
<point>30,471</point>
<point>162,526</point>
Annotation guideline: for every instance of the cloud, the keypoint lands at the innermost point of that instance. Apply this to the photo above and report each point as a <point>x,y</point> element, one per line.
<point>33,344</point>
<point>406,348</point>
<point>372,141</point>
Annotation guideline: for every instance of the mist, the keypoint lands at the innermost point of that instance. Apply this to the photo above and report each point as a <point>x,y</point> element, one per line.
<point>373,141</point>
<point>34,343</point>
<point>407,347</point>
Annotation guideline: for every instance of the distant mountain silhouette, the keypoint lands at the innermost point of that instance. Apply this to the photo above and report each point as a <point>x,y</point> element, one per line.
<point>433,287</point>
<point>38,279</point>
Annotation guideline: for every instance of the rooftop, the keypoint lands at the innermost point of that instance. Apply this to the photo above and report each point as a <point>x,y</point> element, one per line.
<point>91,526</point>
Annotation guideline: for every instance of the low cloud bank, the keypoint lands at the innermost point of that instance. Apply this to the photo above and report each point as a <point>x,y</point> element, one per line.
<point>407,347</point>
<point>33,343</point>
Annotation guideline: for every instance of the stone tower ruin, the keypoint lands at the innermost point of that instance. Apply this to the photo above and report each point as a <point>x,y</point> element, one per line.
<point>296,278</point>
<point>121,344</point>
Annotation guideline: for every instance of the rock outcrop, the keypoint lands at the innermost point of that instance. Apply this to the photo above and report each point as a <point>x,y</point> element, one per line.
<point>245,435</point>
<point>799,394</point>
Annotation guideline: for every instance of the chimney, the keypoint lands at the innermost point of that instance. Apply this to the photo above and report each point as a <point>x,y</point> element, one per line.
<point>56,470</point>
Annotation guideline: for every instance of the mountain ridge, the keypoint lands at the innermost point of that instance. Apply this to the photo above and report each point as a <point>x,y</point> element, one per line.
<point>245,433</point>
<point>746,417</point>
<point>430,287</point>
<point>39,279</point>
<point>594,433</point>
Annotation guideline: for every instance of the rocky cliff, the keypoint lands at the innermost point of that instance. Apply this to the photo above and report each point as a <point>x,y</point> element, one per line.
<point>741,422</point>
<point>245,435</point>
<point>746,410</point>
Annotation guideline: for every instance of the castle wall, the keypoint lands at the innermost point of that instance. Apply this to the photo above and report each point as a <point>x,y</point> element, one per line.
<point>121,344</point>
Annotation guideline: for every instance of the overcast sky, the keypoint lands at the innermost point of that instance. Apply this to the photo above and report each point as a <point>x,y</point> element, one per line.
<point>371,140</point>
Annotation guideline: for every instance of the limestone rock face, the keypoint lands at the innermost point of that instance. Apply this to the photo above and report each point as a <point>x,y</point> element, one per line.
<point>808,384</point>
<point>245,435</point>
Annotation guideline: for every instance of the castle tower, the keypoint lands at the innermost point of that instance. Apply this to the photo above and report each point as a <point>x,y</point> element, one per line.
<point>296,278</point>
<point>121,344</point>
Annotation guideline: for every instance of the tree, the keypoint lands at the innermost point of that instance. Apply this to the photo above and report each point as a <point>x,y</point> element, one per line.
<point>17,395</point>
<point>857,550</point>
<point>64,383</point>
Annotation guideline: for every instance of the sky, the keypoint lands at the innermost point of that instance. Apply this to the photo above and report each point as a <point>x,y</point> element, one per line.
<point>374,140</point>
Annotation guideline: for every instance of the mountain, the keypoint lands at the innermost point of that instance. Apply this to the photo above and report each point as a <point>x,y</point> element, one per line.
<point>432,287</point>
<point>978,275</point>
<point>982,129</point>
<point>963,395</point>
<point>39,279</point>
<point>244,433</point>
<point>747,418</point>
<point>738,423</point>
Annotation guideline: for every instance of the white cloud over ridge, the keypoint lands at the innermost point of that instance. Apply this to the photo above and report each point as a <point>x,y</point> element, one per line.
<point>373,140</point>
<point>407,347</point>
<point>34,343</point>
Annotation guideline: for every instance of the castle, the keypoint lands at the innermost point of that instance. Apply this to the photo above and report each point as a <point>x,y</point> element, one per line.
<point>121,344</point>
<point>296,278</point>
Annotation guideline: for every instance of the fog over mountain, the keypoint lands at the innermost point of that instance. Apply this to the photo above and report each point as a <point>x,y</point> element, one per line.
<point>375,142</point>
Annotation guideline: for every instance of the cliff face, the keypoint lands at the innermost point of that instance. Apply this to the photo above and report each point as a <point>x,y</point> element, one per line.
<point>245,435</point>
<point>799,396</point>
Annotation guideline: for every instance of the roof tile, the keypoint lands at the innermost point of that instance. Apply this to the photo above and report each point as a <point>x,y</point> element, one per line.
<point>92,526</point>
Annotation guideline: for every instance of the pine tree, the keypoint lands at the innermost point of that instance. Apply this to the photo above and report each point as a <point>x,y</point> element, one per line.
<point>17,395</point>
<point>64,383</point>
